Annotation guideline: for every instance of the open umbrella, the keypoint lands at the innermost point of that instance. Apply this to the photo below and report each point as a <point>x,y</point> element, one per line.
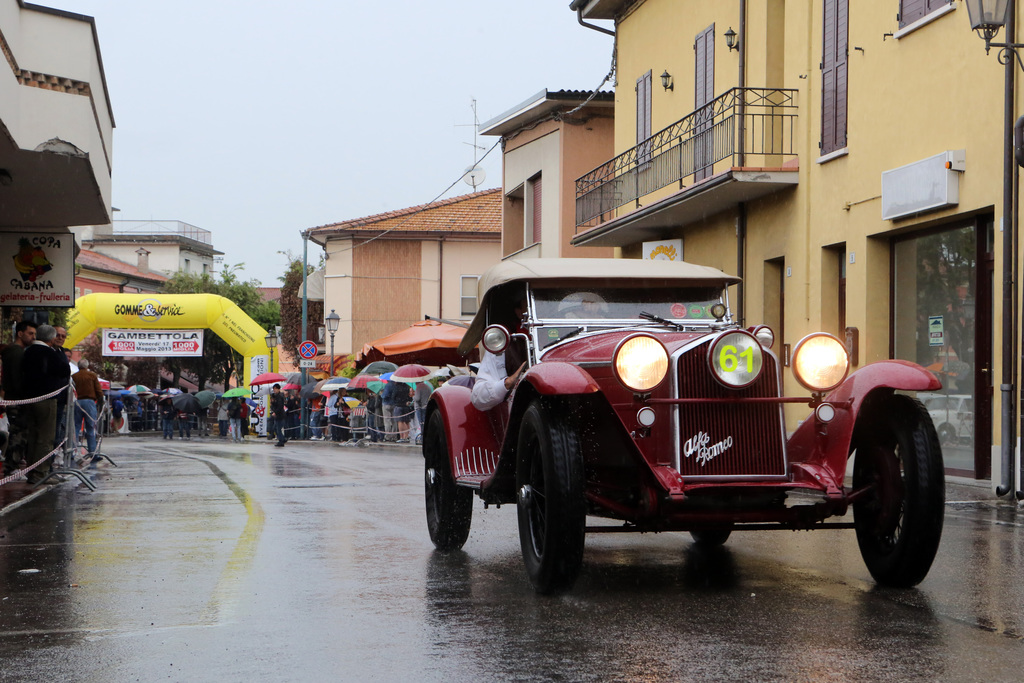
<point>139,389</point>
<point>291,386</point>
<point>378,367</point>
<point>335,383</point>
<point>236,392</point>
<point>375,385</point>
<point>186,403</point>
<point>308,390</point>
<point>205,398</point>
<point>267,378</point>
<point>359,381</point>
<point>462,381</point>
<point>351,401</point>
<point>411,373</point>
<point>173,391</point>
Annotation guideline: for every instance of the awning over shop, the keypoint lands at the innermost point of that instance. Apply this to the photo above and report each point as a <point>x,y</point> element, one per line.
<point>428,342</point>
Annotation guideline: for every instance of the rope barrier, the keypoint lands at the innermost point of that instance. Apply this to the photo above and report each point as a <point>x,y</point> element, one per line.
<point>35,399</point>
<point>18,473</point>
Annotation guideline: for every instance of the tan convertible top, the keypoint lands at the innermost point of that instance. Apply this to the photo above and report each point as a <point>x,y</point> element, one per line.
<point>536,270</point>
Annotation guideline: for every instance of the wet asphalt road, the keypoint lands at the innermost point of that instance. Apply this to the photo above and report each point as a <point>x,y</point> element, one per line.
<point>205,561</point>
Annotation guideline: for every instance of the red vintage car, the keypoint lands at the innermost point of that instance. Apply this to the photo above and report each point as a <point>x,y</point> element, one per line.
<point>644,406</point>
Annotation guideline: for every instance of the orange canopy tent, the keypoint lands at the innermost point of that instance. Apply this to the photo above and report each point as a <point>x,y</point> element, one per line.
<point>428,342</point>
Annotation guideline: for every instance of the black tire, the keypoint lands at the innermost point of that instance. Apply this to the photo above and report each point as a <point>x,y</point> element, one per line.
<point>710,538</point>
<point>899,523</point>
<point>552,510</point>
<point>449,507</point>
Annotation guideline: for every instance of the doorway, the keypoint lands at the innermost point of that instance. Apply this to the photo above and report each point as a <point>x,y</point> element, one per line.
<point>942,320</point>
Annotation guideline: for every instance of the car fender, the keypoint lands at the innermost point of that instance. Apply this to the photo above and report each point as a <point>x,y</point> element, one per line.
<point>557,378</point>
<point>466,428</point>
<point>821,451</point>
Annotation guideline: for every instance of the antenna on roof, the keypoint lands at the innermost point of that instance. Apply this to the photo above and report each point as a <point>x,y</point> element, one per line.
<point>474,175</point>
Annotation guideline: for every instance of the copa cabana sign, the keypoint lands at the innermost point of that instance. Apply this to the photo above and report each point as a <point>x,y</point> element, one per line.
<point>38,271</point>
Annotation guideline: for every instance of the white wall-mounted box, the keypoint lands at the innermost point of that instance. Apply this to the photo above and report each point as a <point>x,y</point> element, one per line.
<point>926,185</point>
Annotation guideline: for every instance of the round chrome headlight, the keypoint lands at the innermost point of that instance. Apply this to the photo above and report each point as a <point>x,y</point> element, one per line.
<point>736,359</point>
<point>718,311</point>
<point>820,362</point>
<point>495,339</point>
<point>641,363</point>
<point>764,336</point>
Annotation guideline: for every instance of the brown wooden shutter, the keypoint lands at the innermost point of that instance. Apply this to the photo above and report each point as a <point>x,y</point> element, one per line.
<point>704,92</point>
<point>834,75</point>
<point>912,10</point>
<point>536,209</point>
<point>643,115</point>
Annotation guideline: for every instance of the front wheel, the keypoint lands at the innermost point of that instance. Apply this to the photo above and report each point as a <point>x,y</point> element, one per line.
<point>449,507</point>
<point>899,522</point>
<point>552,509</point>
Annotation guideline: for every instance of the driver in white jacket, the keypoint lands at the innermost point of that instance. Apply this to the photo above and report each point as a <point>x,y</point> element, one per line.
<point>493,383</point>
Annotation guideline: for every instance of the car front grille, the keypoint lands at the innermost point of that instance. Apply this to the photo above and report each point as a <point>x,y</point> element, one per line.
<point>728,440</point>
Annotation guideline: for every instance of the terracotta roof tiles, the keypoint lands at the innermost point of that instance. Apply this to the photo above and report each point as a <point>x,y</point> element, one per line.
<point>102,262</point>
<point>479,212</point>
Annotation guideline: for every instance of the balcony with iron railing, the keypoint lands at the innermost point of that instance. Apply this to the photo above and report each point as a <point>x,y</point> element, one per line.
<point>147,228</point>
<point>740,129</point>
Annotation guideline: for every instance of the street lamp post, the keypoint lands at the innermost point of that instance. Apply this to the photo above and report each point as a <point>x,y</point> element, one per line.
<point>271,340</point>
<point>332,321</point>
<point>986,18</point>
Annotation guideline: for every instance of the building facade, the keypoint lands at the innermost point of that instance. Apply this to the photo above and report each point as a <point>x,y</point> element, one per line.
<point>387,271</point>
<point>172,246</point>
<point>844,158</point>
<point>56,137</point>
<point>548,141</point>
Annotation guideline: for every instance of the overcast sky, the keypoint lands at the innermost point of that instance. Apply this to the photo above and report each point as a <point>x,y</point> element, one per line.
<point>256,120</point>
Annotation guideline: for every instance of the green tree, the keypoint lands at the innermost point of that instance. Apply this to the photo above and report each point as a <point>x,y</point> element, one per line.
<point>219,361</point>
<point>291,309</point>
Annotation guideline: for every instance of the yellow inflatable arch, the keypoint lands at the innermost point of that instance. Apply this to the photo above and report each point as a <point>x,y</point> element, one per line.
<point>171,312</point>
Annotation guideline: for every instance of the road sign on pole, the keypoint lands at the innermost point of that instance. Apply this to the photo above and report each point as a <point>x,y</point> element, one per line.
<point>307,349</point>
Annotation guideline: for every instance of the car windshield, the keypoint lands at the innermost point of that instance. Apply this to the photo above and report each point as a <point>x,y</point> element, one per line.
<point>687,304</point>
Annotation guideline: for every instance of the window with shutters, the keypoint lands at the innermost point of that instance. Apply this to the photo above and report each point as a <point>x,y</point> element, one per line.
<point>533,211</point>
<point>704,92</point>
<point>835,47</point>
<point>643,117</point>
<point>913,10</point>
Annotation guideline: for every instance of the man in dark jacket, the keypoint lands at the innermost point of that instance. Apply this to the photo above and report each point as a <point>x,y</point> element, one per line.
<point>11,356</point>
<point>44,369</point>
<point>279,412</point>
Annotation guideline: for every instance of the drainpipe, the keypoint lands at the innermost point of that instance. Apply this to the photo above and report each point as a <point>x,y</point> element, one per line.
<point>578,6</point>
<point>741,249</point>
<point>742,82</point>
<point>741,217</point>
<point>1008,437</point>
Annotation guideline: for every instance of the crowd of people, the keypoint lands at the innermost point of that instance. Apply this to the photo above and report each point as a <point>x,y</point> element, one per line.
<point>37,369</point>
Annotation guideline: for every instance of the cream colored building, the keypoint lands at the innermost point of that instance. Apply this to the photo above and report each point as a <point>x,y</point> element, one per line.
<point>56,122</point>
<point>549,140</point>
<point>844,158</point>
<point>387,271</point>
<point>160,246</point>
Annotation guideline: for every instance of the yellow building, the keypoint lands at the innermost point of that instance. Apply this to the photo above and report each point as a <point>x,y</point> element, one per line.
<point>846,159</point>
